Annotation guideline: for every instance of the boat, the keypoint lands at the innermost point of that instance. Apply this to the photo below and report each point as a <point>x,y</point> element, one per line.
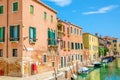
<point>74,77</point>
<point>97,64</point>
<point>83,70</point>
<point>90,66</point>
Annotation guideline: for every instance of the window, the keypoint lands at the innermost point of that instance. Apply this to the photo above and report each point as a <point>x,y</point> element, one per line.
<point>53,64</point>
<point>64,61</point>
<point>44,58</point>
<point>15,6</point>
<point>80,33</point>
<point>67,30</point>
<point>61,62</point>
<point>68,44</point>
<point>1,53</point>
<point>31,9</point>
<point>14,33</point>
<point>51,18</point>
<point>70,29</point>
<point>2,34</point>
<point>51,37</point>
<point>1,9</point>
<point>72,57</point>
<point>74,30</point>
<point>81,46</point>
<point>15,53</point>
<point>77,32</point>
<point>81,58</point>
<point>72,45</point>
<point>64,44</point>
<point>114,45</point>
<point>75,45</point>
<point>45,15</point>
<point>32,34</point>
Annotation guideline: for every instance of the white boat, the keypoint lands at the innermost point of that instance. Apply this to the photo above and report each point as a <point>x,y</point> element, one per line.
<point>97,64</point>
<point>74,77</point>
<point>83,70</point>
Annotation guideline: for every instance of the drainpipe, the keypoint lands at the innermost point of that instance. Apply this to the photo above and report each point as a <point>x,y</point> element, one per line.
<point>7,27</point>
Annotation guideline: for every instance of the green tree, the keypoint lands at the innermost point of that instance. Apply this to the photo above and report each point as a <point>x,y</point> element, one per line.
<point>101,51</point>
<point>105,51</point>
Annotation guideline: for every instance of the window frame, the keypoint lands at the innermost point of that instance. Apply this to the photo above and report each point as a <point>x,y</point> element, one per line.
<point>32,40</point>
<point>1,52</point>
<point>3,9</point>
<point>13,7</point>
<point>18,32</point>
<point>31,12</point>
<point>15,54</point>
<point>3,39</point>
<point>45,15</point>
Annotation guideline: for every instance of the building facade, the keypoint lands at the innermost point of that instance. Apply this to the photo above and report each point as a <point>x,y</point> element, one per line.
<point>70,46</point>
<point>91,43</point>
<point>28,43</point>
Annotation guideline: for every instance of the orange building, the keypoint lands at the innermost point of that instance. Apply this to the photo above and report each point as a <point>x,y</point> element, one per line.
<point>28,43</point>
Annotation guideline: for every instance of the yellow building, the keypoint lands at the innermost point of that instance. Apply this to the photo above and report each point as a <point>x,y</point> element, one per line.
<point>91,43</point>
<point>118,47</point>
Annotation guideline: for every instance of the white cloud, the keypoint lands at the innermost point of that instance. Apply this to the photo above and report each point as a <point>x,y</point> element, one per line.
<point>61,3</point>
<point>101,10</point>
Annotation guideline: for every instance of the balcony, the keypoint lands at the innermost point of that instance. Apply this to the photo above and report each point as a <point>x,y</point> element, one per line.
<point>52,43</point>
<point>61,34</point>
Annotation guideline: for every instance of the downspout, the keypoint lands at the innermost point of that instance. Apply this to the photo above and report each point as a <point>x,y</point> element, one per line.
<point>7,27</point>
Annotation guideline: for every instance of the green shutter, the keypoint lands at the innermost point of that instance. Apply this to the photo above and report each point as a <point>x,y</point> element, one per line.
<point>11,33</point>
<point>48,36</point>
<point>34,34</point>
<point>31,9</point>
<point>1,34</point>
<point>1,9</point>
<point>29,33</point>
<point>45,15</point>
<point>15,6</point>
<point>18,32</point>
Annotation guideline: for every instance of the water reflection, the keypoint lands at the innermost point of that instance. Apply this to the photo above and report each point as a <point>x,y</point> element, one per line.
<point>107,72</point>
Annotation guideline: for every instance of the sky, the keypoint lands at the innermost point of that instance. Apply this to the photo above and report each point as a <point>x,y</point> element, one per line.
<point>94,16</point>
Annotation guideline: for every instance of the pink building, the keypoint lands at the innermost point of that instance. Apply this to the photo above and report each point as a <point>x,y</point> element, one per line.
<point>70,45</point>
<point>27,37</point>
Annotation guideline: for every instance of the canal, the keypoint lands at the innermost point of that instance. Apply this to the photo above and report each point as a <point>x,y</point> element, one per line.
<point>106,72</point>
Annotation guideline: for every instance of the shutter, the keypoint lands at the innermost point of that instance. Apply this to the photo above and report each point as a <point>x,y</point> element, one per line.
<point>29,33</point>
<point>50,37</point>
<point>18,32</point>
<point>34,34</point>
<point>3,34</point>
<point>11,33</point>
<point>0,34</point>
<point>1,9</point>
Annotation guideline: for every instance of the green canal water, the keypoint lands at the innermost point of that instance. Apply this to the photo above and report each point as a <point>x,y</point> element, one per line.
<point>106,72</point>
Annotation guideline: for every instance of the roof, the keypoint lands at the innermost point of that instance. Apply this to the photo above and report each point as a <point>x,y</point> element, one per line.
<point>90,34</point>
<point>68,23</point>
<point>40,2</point>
